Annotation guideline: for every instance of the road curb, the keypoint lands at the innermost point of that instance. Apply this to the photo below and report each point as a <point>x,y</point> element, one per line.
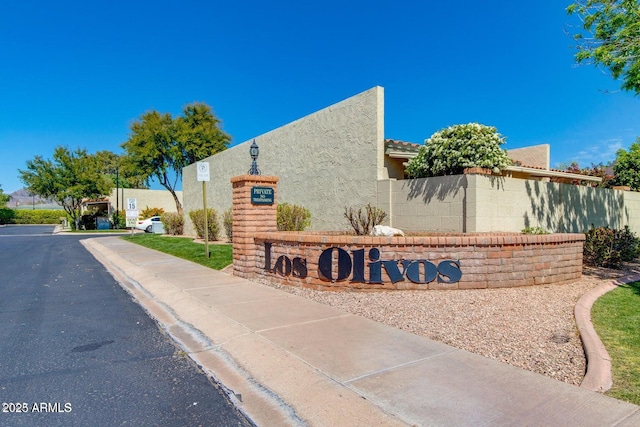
<point>257,405</point>
<point>598,376</point>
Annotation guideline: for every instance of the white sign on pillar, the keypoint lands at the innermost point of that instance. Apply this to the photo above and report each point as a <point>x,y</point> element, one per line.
<point>203,171</point>
<point>132,204</point>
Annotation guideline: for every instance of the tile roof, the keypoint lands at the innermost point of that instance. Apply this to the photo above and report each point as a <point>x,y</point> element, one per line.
<point>401,149</point>
<point>401,145</point>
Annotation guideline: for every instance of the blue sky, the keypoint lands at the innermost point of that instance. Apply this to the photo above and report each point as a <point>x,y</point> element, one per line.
<point>76,73</point>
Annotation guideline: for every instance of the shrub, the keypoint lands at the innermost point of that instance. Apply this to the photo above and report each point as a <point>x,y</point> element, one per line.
<point>227,222</point>
<point>293,217</point>
<point>7,216</point>
<point>534,230</point>
<point>606,247</point>
<point>197,217</point>
<point>148,212</point>
<point>173,223</point>
<point>121,220</point>
<point>44,216</point>
<point>364,221</point>
<point>449,151</point>
<point>88,222</point>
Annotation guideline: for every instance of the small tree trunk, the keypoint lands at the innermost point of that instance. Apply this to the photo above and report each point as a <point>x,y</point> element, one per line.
<point>178,204</point>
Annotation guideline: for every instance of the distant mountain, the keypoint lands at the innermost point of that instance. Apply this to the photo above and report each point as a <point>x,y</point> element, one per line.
<point>22,197</point>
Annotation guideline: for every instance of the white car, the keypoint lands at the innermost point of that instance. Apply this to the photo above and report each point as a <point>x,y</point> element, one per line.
<point>147,224</point>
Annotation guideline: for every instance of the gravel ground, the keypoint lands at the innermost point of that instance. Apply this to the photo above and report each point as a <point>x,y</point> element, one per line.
<point>529,327</point>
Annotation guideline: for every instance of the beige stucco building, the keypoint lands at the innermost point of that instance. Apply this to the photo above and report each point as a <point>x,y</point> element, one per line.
<point>338,157</point>
<point>144,199</point>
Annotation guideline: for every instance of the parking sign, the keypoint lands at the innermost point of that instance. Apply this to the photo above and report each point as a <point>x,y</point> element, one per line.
<point>203,171</point>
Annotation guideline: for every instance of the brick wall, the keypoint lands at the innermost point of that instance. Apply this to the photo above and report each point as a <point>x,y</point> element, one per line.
<point>486,260</point>
<point>250,219</point>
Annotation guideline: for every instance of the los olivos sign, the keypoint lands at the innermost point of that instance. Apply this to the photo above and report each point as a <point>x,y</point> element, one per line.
<point>336,264</point>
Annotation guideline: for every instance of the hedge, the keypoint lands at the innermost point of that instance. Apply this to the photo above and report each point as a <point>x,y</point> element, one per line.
<point>20,216</point>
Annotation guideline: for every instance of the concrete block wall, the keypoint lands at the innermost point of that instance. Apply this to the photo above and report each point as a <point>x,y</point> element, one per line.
<point>325,161</point>
<point>511,204</point>
<point>425,204</point>
<point>583,206</point>
<point>631,214</point>
<point>496,203</point>
<point>487,203</point>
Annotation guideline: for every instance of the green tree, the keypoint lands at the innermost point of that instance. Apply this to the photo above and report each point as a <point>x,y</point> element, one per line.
<point>449,151</point>
<point>626,168</point>
<point>4,198</point>
<point>115,167</point>
<point>610,37</point>
<point>198,134</point>
<point>159,146</point>
<point>602,170</point>
<point>68,178</point>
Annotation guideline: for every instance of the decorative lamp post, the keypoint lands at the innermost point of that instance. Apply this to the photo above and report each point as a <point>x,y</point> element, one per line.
<point>254,151</point>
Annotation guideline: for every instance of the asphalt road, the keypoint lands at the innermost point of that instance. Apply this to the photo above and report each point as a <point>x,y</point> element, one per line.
<point>77,351</point>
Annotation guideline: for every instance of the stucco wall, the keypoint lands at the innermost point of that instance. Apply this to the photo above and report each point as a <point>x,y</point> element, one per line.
<point>480,203</point>
<point>325,161</point>
<point>536,155</point>
<point>145,198</point>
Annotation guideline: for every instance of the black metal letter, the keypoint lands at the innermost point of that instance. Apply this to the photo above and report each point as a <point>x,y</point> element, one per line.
<point>299,267</point>
<point>430,271</point>
<point>391,267</point>
<point>375,268</point>
<point>283,265</point>
<point>449,269</point>
<point>267,257</point>
<point>358,266</point>
<point>325,264</point>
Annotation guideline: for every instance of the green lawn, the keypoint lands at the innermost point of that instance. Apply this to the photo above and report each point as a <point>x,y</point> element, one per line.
<point>616,318</point>
<point>184,247</point>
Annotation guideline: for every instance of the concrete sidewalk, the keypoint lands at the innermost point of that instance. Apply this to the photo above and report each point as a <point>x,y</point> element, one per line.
<point>286,360</point>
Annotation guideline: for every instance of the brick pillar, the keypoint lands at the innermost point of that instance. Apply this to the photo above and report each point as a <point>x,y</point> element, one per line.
<point>249,219</point>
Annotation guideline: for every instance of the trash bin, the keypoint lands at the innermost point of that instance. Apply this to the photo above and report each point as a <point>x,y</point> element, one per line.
<point>102,223</point>
<point>157,227</point>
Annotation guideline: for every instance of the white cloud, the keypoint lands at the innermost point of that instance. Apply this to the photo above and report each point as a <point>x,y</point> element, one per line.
<point>602,152</point>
